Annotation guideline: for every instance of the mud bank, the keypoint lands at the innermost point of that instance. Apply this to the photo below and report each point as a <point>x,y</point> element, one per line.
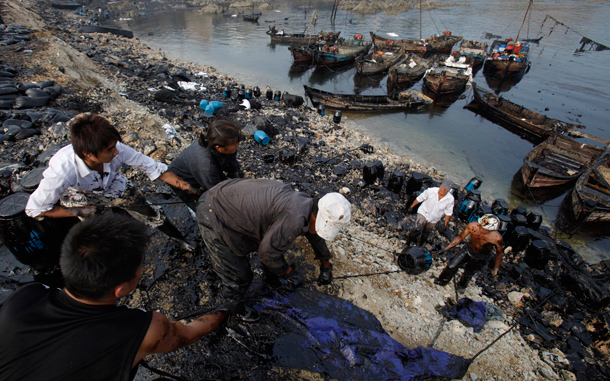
<point>143,92</point>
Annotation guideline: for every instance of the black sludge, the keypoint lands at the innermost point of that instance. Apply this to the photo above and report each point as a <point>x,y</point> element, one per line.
<point>28,102</point>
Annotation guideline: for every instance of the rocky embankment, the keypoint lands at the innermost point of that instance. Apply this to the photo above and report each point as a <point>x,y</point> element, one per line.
<point>154,101</point>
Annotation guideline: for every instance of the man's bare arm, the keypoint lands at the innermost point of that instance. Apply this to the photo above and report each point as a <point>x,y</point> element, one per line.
<point>499,243</point>
<point>165,335</point>
<point>61,212</point>
<point>172,179</point>
<point>457,240</point>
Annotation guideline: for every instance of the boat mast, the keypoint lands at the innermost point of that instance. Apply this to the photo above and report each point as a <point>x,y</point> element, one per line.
<point>420,19</point>
<point>526,11</point>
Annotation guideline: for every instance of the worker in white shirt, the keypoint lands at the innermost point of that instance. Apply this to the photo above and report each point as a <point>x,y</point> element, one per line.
<point>435,203</point>
<point>84,176</point>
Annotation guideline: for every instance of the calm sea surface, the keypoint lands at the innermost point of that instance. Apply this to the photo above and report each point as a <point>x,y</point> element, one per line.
<point>560,84</point>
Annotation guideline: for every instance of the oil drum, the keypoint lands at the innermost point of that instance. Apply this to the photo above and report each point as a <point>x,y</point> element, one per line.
<point>30,241</point>
<point>414,183</point>
<point>480,212</point>
<point>534,220</point>
<point>519,238</point>
<point>518,220</point>
<point>414,260</point>
<point>396,181</point>
<point>519,210</point>
<point>537,254</point>
<point>499,207</point>
<point>504,225</point>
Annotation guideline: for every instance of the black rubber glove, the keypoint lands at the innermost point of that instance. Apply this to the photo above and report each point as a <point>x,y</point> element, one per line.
<point>231,306</point>
<point>411,210</point>
<point>290,281</point>
<point>326,274</point>
<point>441,227</point>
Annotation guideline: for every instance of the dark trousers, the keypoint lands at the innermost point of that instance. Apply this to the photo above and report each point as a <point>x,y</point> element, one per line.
<point>232,268</point>
<point>467,259</point>
<point>420,232</point>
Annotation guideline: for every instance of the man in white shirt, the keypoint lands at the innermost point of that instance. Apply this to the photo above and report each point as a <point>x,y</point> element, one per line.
<point>435,203</point>
<point>84,176</point>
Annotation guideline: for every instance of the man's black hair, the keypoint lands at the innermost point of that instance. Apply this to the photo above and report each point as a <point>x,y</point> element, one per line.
<point>91,133</point>
<point>100,253</point>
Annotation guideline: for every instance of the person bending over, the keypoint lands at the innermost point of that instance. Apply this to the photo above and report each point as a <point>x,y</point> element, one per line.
<point>84,176</point>
<point>79,332</point>
<point>435,203</point>
<point>240,216</point>
<point>483,239</point>
<point>210,160</point>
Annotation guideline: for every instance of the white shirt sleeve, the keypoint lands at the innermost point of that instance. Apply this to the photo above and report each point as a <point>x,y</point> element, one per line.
<point>56,179</point>
<point>131,157</point>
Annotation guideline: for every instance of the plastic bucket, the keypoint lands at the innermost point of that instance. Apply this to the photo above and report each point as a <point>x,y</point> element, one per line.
<point>537,254</point>
<point>396,181</point>
<point>474,183</point>
<point>25,237</point>
<point>256,91</point>
<point>414,260</point>
<point>519,238</point>
<point>414,183</point>
<point>499,207</point>
<point>261,137</point>
<point>32,179</point>
<point>337,116</point>
<point>504,224</point>
<point>269,94</point>
<point>534,220</point>
<point>321,109</point>
<point>369,173</point>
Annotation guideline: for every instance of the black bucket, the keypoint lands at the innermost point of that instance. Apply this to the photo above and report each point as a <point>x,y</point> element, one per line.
<point>269,94</point>
<point>337,117</point>
<point>256,91</point>
<point>30,241</point>
<point>227,92</point>
<point>534,220</point>
<point>380,169</point>
<point>321,109</point>
<point>499,207</point>
<point>469,205</point>
<point>504,224</point>
<point>396,182</point>
<point>414,260</point>
<point>474,183</point>
<point>414,183</point>
<point>369,173</point>
<point>480,212</point>
<point>241,94</point>
<point>519,210</point>
<point>518,220</point>
<point>277,96</point>
<point>537,254</point>
<point>519,238</point>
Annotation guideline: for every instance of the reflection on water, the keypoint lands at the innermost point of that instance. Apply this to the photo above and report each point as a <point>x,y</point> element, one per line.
<point>455,141</point>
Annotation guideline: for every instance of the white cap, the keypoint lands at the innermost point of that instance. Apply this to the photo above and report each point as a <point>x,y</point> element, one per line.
<point>489,222</point>
<point>334,212</point>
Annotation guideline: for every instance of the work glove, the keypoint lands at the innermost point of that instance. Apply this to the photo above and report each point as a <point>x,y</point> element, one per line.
<point>231,306</point>
<point>411,210</point>
<point>290,281</point>
<point>326,274</point>
<point>441,227</point>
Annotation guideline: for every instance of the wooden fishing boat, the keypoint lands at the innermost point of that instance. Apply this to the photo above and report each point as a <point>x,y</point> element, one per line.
<point>280,37</point>
<point>528,124</point>
<point>560,160</point>
<point>251,18</point>
<point>304,54</point>
<point>367,103</point>
<point>446,80</point>
<point>507,58</point>
<point>379,60</point>
<point>474,51</point>
<point>417,46</point>
<point>410,69</point>
<point>341,54</point>
<point>443,43</point>
<point>103,29</point>
<point>590,198</point>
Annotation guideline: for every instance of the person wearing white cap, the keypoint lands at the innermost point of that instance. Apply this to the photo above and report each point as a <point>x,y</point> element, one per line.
<point>241,216</point>
<point>435,203</point>
<point>483,239</point>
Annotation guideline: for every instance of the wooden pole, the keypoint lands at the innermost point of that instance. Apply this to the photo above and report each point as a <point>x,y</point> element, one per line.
<point>523,22</point>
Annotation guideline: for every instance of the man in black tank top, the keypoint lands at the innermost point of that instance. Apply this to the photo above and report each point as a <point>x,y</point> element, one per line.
<point>79,333</point>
